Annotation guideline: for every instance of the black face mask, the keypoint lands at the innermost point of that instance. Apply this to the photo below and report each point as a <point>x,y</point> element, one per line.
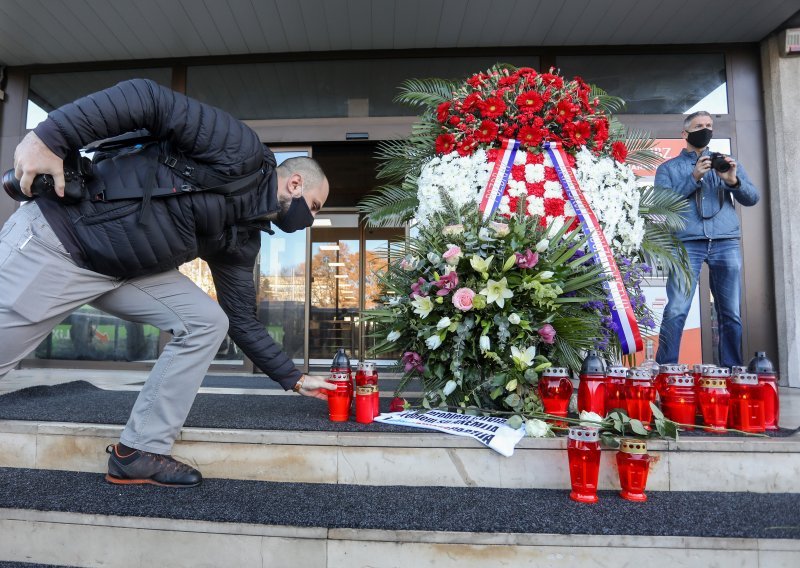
<point>699,138</point>
<point>297,217</point>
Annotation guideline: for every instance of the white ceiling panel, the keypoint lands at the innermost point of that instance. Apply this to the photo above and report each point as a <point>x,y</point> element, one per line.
<point>55,31</point>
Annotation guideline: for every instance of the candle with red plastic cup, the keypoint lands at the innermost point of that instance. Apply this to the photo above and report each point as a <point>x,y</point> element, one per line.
<point>593,385</point>
<point>768,379</point>
<point>714,399</point>
<point>341,364</point>
<point>367,374</point>
<point>664,371</point>
<point>633,463</point>
<point>747,403</point>
<point>697,371</point>
<point>639,393</point>
<point>583,452</point>
<point>339,399</point>
<point>365,409</point>
<point>617,381</point>
<point>703,370</point>
<point>555,390</point>
<point>678,401</point>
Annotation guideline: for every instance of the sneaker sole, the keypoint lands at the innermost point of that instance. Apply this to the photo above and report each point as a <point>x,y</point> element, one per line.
<point>120,481</point>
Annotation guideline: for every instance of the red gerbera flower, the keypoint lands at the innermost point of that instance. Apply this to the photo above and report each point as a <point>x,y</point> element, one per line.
<point>493,107</point>
<point>466,147</point>
<point>442,111</point>
<point>530,136</point>
<point>619,150</point>
<point>445,143</point>
<point>529,101</point>
<point>486,132</point>
<point>471,102</point>
<point>564,111</point>
<point>578,133</point>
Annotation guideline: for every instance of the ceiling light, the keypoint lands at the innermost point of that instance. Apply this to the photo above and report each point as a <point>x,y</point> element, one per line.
<point>336,264</point>
<point>329,247</point>
<point>321,223</point>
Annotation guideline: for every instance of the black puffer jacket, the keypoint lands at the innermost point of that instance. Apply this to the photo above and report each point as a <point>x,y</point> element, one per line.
<point>225,231</point>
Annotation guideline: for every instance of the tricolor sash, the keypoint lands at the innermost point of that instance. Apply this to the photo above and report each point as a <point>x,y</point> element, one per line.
<point>621,310</point>
<point>493,193</point>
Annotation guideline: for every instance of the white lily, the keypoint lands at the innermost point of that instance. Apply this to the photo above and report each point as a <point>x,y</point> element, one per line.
<point>484,343</point>
<point>522,358</point>
<point>393,336</point>
<point>422,306</point>
<point>449,387</point>
<point>443,323</point>
<point>497,291</point>
<point>542,245</point>
<point>433,342</point>
<point>480,264</point>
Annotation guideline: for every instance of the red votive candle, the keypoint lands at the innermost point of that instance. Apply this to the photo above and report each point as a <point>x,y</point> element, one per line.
<point>664,371</point>
<point>633,463</point>
<point>615,388</point>
<point>339,400</point>
<point>364,406</point>
<point>555,390</point>
<point>747,403</point>
<point>639,393</point>
<point>714,400</point>
<point>678,401</point>
<point>592,386</point>
<point>768,379</point>
<point>367,374</point>
<point>583,452</point>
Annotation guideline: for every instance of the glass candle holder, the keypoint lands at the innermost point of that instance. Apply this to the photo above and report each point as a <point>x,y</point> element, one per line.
<point>555,390</point>
<point>340,400</point>
<point>714,402</point>
<point>747,403</point>
<point>633,463</point>
<point>583,451</point>
<point>592,393</point>
<point>367,374</point>
<point>364,407</point>
<point>615,388</point>
<point>772,409</point>
<point>665,371</point>
<point>678,401</point>
<point>639,393</point>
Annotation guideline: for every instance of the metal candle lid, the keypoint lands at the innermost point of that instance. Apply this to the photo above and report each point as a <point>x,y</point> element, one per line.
<point>618,371</point>
<point>632,446</point>
<point>584,433</point>
<point>745,379</point>
<point>681,380</point>
<point>717,373</point>
<point>368,366</point>
<point>713,383</point>
<point>738,370</point>
<point>671,369</point>
<point>340,376</point>
<point>639,375</point>
<point>698,368</point>
<point>555,372</point>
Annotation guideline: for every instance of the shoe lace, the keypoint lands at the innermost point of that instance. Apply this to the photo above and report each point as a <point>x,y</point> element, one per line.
<point>172,464</point>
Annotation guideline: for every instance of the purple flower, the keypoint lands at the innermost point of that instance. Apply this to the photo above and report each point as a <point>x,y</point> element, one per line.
<point>412,361</point>
<point>446,283</point>
<point>527,259</point>
<point>646,268</point>
<point>416,288</point>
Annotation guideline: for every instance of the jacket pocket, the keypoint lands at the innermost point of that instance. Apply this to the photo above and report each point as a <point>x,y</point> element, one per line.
<point>112,214</point>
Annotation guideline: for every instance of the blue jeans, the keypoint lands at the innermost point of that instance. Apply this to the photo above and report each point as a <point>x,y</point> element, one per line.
<point>725,265</point>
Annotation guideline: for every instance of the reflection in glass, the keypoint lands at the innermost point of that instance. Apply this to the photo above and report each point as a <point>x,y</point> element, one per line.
<point>89,334</point>
<point>673,83</point>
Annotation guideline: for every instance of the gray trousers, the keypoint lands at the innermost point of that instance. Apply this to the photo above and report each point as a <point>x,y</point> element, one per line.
<point>40,285</point>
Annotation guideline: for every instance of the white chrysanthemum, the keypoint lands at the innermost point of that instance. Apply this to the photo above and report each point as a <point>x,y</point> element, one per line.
<point>535,206</point>
<point>534,173</point>
<point>553,190</point>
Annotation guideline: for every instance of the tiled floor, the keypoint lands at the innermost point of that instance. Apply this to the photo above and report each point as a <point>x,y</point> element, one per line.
<point>131,380</point>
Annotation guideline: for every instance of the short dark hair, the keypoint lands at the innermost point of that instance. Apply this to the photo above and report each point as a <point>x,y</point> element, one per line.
<point>308,168</point>
<point>688,120</point>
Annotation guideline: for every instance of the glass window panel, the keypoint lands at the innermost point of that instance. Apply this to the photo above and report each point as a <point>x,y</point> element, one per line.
<point>333,88</point>
<point>89,334</point>
<point>381,248</point>
<point>673,83</point>
<point>48,91</point>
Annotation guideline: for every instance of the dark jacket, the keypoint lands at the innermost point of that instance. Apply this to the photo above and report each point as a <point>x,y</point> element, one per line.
<point>714,222</point>
<point>117,239</point>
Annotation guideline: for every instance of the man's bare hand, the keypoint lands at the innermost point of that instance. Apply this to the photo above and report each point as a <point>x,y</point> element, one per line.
<point>314,386</point>
<point>701,168</point>
<point>730,176</point>
<point>33,157</point>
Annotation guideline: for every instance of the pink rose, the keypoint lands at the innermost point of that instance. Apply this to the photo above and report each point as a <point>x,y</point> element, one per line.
<point>547,333</point>
<point>452,255</point>
<point>462,299</point>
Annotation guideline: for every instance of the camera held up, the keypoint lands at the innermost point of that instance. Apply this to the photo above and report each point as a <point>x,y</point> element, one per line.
<point>719,163</point>
<point>77,170</point>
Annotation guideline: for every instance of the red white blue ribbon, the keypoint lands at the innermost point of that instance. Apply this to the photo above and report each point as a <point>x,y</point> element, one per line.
<point>493,193</point>
<point>621,310</point>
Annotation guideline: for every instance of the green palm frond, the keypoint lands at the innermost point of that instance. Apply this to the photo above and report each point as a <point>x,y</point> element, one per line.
<point>425,92</point>
<point>390,205</point>
<point>403,158</point>
<point>663,207</point>
<point>609,103</point>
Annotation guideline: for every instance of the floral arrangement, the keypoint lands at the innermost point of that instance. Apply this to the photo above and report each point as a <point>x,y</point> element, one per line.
<point>480,307</point>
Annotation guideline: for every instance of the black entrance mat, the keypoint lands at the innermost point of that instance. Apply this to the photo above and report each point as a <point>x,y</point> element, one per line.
<point>471,509</point>
<point>80,401</point>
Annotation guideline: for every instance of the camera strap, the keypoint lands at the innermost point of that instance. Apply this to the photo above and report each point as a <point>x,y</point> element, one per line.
<point>698,199</point>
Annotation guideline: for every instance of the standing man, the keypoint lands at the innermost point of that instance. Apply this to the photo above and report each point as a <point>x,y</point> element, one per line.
<point>711,235</point>
<point>193,182</point>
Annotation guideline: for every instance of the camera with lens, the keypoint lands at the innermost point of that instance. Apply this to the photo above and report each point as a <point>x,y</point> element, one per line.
<point>719,163</point>
<point>77,171</point>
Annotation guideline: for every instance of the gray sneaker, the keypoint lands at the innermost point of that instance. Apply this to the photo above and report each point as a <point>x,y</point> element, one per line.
<point>143,467</point>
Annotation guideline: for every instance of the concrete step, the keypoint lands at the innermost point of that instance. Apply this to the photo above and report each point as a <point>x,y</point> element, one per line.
<point>75,519</point>
<point>416,458</point>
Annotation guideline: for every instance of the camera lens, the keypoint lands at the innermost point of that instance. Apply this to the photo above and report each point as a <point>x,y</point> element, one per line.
<point>719,163</point>
<point>11,185</point>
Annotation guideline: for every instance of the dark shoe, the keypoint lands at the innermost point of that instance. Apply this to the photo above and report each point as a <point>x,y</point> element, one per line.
<point>155,469</point>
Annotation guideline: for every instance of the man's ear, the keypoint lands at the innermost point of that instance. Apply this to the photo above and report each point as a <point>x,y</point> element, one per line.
<point>295,185</point>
